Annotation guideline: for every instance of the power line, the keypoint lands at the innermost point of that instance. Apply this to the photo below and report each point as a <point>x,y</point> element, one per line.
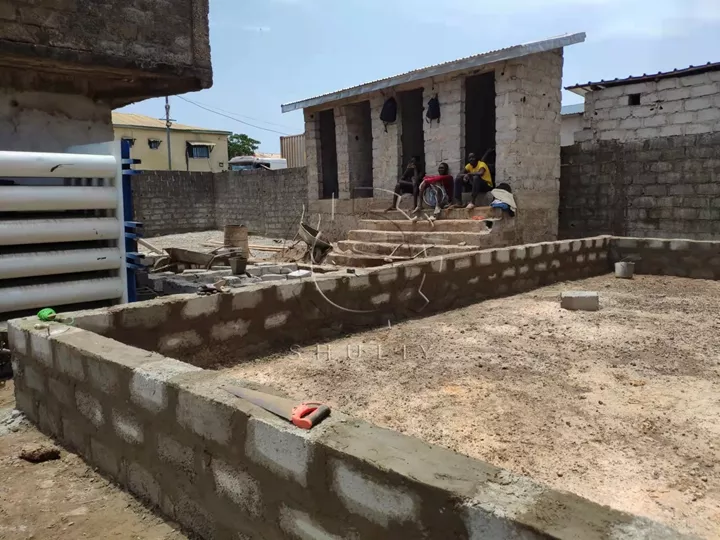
<point>245,116</point>
<point>232,117</point>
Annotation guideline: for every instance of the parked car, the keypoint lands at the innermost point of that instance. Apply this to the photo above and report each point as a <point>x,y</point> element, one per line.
<point>249,163</point>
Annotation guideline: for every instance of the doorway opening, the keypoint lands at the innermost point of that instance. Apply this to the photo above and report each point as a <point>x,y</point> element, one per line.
<point>360,161</point>
<point>328,155</point>
<point>480,117</point>
<point>413,131</point>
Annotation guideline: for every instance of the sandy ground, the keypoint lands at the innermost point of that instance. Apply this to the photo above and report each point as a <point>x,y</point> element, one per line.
<point>64,499</point>
<point>621,406</point>
<point>196,241</point>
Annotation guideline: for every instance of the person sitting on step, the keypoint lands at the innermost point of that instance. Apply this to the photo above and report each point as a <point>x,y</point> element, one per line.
<point>440,185</point>
<point>476,178</point>
<point>409,183</point>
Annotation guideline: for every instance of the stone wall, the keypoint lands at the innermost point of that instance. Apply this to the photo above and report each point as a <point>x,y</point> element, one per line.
<point>221,467</point>
<point>528,105</point>
<point>267,202</point>
<point>665,187</point>
<point>688,105</point>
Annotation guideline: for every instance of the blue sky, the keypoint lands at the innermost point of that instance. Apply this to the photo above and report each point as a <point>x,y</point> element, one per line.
<point>269,52</point>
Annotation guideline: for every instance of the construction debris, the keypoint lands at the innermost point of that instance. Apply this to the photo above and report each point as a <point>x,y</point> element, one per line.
<point>39,453</point>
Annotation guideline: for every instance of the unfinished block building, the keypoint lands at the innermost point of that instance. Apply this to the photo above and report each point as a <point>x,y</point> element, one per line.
<point>507,100</point>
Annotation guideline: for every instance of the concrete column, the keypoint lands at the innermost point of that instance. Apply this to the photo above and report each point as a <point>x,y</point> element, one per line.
<point>444,141</point>
<point>387,149</point>
<point>528,139</point>
<point>312,154</point>
<point>341,146</point>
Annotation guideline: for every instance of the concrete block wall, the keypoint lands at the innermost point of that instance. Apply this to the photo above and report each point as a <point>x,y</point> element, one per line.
<point>669,257</point>
<point>170,202</point>
<point>445,141</point>
<point>267,202</point>
<point>223,468</point>
<point>688,105</point>
<point>210,330</point>
<point>664,187</point>
<point>270,202</point>
<point>528,104</point>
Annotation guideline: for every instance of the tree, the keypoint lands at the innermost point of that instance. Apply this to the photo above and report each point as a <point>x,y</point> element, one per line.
<point>240,144</point>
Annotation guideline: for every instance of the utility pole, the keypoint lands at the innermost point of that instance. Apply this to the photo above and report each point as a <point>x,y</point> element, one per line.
<point>168,125</point>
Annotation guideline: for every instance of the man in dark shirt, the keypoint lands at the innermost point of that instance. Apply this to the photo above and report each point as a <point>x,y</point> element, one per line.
<point>409,183</point>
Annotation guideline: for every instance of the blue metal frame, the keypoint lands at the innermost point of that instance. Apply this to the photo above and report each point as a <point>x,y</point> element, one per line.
<point>133,229</point>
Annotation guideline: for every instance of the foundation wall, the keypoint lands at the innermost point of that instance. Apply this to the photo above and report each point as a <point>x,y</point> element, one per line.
<point>168,432</point>
<point>206,331</point>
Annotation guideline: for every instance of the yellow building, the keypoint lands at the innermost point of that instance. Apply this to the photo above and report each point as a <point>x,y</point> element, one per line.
<point>192,148</point>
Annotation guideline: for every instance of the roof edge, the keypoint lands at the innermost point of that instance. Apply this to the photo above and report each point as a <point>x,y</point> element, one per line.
<point>469,62</point>
<point>157,128</point>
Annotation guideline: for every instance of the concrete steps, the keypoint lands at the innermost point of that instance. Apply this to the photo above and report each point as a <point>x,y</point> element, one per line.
<point>421,237</point>
<point>399,250</point>
<point>423,225</point>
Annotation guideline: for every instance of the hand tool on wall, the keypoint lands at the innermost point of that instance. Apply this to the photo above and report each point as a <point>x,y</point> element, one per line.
<point>303,415</point>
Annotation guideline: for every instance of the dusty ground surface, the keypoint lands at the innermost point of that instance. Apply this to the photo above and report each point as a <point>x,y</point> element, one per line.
<point>63,499</point>
<point>197,241</point>
<point>621,406</point>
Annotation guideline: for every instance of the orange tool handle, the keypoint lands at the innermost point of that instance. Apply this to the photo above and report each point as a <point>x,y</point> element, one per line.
<point>307,415</point>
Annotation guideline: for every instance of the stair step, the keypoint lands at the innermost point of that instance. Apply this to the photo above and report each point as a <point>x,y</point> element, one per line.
<point>415,237</point>
<point>423,225</point>
<point>455,213</point>
<point>357,261</point>
<point>399,249</point>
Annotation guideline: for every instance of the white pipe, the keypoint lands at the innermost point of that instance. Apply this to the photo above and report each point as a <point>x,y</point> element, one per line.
<point>42,231</point>
<point>59,294</point>
<point>49,263</point>
<point>39,164</point>
<point>49,198</point>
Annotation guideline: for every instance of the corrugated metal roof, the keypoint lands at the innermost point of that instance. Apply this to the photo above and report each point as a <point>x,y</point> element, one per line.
<point>582,89</point>
<point>470,62</point>
<point>147,122</point>
<point>577,108</point>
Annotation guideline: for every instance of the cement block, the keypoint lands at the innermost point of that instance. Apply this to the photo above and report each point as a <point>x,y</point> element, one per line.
<point>18,339</point>
<point>90,408</point>
<point>175,453</point>
<point>273,277</point>
<point>301,525</point>
<point>380,503</point>
<point>104,458</point>
<point>34,379</point>
<point>276,320</point>
<point>284,452</point>
<point>229,330</point>
<point>173,342</point>
<point>104,375</point>
<point>128,427</point>
<point>62,392</point>
<point>148,387</point>
<point>203,306</point>
<point>204,417</point>
<point>299,274</point>
<point>40,349</point>
<point>143,484</point>
<point>69,361</point>
<point>238,486</point>
<point>580,301</point>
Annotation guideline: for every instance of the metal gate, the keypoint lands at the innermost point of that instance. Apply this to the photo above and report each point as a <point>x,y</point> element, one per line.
<point>62,229</point>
